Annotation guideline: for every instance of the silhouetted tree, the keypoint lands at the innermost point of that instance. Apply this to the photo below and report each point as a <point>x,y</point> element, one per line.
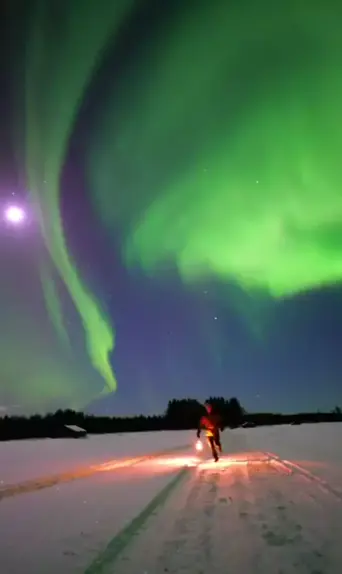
<point>179,414</point>
<point>235,413</point>
<point>183,413</point>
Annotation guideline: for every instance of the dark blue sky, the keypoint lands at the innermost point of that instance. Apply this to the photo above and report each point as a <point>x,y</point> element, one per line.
<point>172,340</point>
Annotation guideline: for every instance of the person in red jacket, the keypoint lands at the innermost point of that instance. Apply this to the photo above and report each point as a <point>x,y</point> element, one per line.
<point>212,424</point>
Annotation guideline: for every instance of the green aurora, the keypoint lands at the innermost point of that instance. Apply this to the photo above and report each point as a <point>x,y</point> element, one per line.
<point>216,149</point>
<point>232,144</point>
<point>58,74</point>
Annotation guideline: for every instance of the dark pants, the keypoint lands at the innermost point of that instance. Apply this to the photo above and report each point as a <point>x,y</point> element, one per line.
<point>215,443</point>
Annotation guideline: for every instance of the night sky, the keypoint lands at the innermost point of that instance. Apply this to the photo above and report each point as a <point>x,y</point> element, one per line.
<point>179,168</point>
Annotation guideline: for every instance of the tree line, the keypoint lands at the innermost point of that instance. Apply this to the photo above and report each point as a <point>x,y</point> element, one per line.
<point>180,414</point>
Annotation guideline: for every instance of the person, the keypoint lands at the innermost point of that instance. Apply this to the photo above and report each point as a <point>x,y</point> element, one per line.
<point>212,424</point>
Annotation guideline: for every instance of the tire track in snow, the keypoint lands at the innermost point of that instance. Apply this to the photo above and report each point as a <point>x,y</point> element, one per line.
<point>294,468</point>
<point>255,517</point>
<point>104,561</point>
<point>35,485</point>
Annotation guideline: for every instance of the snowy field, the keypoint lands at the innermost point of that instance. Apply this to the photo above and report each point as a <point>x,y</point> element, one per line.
<point>29,459</point>
<point>140,503</point>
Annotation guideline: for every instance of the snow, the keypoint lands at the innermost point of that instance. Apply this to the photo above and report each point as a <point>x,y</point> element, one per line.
<point>315,447</point>
<point>75,428</point>
<point>250,518</point>
<point>251,511</point>
<point>63,528</point>
<point>30,459</point>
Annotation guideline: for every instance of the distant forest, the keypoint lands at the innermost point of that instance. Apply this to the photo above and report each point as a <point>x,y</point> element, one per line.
<point>180,414</point>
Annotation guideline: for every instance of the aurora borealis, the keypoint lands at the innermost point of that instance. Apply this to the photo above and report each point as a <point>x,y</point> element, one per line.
<point>182,167</point>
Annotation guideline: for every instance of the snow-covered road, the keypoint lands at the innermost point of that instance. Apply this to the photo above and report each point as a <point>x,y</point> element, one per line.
<point>254,514</point>
<point>64,527</point>
<point>175,514</point>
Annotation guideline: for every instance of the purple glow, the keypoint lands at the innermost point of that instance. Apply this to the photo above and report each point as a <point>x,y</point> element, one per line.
<point>14,214</point>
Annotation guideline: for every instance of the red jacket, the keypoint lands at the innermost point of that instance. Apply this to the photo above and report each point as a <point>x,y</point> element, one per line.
<point>211,423</point>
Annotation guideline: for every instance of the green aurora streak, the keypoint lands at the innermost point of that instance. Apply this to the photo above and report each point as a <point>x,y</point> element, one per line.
<point>60,64</point>
<point>234,136</point>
